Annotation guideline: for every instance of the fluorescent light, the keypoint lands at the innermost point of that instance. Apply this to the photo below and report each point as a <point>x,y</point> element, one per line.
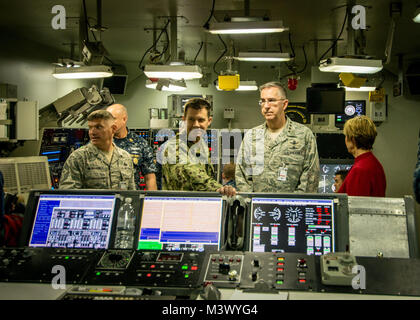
<point>243,86</point>
<point>85,72</point>
<point>350,65</point>
<point>263,56</point>
<point>176,72</point>
<point>246,27</point>
<point>416,18</point>
<point>362,88</point>
<point>166,85</point>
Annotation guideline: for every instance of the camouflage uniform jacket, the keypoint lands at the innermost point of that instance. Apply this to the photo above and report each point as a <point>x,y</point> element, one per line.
<point>289,163</point>
<point>187,166</point>
<point>141,153</point>
<point>88,168</point>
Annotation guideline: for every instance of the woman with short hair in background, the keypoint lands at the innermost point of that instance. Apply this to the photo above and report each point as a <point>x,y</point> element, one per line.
<point>366,176</point>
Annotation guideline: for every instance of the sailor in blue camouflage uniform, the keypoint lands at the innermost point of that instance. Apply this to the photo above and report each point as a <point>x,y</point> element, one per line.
<point>280,155</point>
<point>140,151</point>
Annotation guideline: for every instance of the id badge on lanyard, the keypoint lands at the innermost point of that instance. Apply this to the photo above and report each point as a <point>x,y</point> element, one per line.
<point>282,174</point>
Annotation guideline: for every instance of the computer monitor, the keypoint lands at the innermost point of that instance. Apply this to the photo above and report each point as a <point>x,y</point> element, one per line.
<point>352,108</point>
<point>179,223</point>
<point>325,100</point>
<point>328,168</point>
<point>73,221</point>
<point>292,224</point>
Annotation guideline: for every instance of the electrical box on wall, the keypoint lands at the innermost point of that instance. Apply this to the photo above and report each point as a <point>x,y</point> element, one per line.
<point>19,120</point>
<point>377,111</point>
<point>378,102</point>
<point>229,113</point>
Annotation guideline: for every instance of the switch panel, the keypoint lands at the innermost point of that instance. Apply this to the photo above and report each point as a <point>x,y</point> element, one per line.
<point>224,269</point>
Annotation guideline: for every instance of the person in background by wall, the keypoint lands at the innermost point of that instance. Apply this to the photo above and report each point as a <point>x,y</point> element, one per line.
<point>228,175</point>
<point>339,177</point>
<point>142,154</point>
<point>416,183</point>
<point>367,176</point>
<point>12,209</point>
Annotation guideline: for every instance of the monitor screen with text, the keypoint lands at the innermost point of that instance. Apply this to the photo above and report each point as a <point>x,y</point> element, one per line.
<point>73,221</point>
<point>292,225</point>
<point>181,223</point>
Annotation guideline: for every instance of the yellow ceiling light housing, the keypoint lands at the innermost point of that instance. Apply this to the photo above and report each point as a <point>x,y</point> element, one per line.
<point>351,80</point>
<point>228,82</point>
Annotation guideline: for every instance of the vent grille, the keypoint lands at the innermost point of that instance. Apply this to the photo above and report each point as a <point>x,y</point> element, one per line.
<point>32,176</point>
<point>9,175</point>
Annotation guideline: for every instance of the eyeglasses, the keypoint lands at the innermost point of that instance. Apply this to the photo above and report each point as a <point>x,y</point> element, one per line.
<point>269,101</point>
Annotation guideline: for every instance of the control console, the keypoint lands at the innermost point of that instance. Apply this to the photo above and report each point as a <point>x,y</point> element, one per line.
<point>261,272</point>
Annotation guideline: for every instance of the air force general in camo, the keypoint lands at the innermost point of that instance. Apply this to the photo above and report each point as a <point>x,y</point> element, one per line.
<point>279,155</point>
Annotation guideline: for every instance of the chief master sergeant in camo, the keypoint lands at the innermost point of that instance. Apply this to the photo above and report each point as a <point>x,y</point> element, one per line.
<point>280,155</point>
<point>185,158</point>
<point>137,147</point>
<point>100,164</point>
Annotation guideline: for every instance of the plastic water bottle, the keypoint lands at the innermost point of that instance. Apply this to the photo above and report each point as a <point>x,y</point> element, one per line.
<point>125,225</point>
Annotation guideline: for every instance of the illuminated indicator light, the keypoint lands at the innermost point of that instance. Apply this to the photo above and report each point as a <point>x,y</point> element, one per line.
<point>194,268</point>
<point>184,267</point>
<point>187,276</point>
<point>280,269</point>
<point>302,280</point>
<point>280,263</point>
<point>279,282</point>
<point>98,273</point>
<point>148,275</point>
<point>152,266</point>
<point>280,259</point>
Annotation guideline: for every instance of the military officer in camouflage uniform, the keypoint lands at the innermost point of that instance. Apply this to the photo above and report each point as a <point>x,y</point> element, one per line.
<point>185,160</point>
<point>99,164</point>
<point>137,147</point>
<point>279,155</point>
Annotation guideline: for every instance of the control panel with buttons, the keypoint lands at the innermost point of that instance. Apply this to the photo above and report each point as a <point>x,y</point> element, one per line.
<point>268,271</point>
<point>148,269</point>
<point>36,264</point>
<point>224,269</point>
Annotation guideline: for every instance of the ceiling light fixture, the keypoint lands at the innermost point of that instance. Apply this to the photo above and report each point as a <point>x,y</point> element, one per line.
<point>175,72</point>
<point>166,84</point>
<point>350,65</point>
<point>83,72</point>
<point>243,86</point>
<point>360,89</point>
<point>416,18</point>
<point>247,27</point>
<point>263,56</point>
